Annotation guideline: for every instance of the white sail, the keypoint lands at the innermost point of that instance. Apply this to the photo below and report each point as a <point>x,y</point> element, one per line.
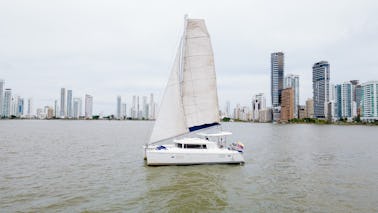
<point>170,120</point>
<point>199,87</point>
<point>190,100</point>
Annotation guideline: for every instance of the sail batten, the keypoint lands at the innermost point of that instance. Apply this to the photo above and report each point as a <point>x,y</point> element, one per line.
<point>194,104</point>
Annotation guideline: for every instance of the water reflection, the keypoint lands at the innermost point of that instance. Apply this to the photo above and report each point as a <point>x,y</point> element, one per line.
<point>173,188</point>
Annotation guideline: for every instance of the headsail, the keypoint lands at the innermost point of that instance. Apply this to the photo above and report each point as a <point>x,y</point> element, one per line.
<point>190,100</point>
<point>170,120</point>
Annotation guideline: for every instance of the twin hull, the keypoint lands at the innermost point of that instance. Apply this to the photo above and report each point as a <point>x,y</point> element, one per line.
<point>191,157</point>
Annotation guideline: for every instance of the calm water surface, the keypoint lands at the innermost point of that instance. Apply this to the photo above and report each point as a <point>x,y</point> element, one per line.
<point>75,166</point>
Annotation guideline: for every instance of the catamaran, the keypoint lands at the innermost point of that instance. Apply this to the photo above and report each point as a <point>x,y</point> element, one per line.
<point>190,106</point>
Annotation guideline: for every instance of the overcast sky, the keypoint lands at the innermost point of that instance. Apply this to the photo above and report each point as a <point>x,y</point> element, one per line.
<point>111,48</point>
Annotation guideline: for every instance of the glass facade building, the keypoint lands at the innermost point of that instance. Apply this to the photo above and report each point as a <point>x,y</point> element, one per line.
<point>320,86</point>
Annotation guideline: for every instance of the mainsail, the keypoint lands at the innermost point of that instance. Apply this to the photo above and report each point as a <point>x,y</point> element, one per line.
<point>190,100</point>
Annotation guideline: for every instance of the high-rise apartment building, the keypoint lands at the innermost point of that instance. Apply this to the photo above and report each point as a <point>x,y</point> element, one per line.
<point>292,81</point>
<point>20,107</point>
<point>1,97</point>
<point>30,107</point>
<point>258,103</point>
<point>138,110</point>
<point>287,104</point>
<point>133,110</point>
<point>69,104</point>
<point>152,107</point>
<point>369,102</point>
<point>63,102</point>
<point>320,86</point>
<point>228,109</point>
<point>344,100</point>
<point>77,107</point>
<point>56,109</point>
<point>277,77</point>
<point>358,94</point>
<point>123,111</point>
<point>7,101</point>
<point>88,106</point>
<point>119,103</point>
<point>145,108</point>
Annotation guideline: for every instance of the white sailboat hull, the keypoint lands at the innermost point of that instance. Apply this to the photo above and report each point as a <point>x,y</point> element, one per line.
<point>180,156</point>
<point>163,158</point>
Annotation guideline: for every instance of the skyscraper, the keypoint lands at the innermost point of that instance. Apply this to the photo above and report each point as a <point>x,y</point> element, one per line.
<point>88,106</point>
<point>277,77</point>
<point>69,104</point>
<point>292,81</point>
<point>369,102</point>
<point>152,107</point>
<point>133,110</point>
<point>228,109</point>
<point>258,103</point>
<point>123,111</point>
<point>56,109</point>
<point>30,107</point>
<point>138,110</point>
<point>320,86</point>
<point>145,107</point>
<point>119,103</point>
<point>1,96</point>
<point>358,94</point>
<point>77,107</point>
<point>344,100</point>
<point>20,107</point>
<point>62,102</point>
<point>7,101</point>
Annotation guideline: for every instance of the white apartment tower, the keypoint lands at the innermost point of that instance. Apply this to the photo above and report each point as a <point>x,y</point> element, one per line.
<point>30,107</point>
<point>7,101</point>
<point>77,107</point>
<point>145,108</point>
<point>119,103</point>
<point>152,107</point>
<point>69,104</point>
<point>258,103</point>
<point>88,106</point>
<point>63,102</point>
<point>123,111</point>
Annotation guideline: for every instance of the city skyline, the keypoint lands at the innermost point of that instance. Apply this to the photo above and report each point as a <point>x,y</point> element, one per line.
<point>45,49</point>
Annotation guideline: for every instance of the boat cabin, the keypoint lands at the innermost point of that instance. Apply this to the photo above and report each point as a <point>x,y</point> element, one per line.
<point>206,141</point>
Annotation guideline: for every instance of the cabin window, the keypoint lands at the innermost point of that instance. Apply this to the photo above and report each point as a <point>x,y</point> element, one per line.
<point>179,145</point>
<point>195,146</point>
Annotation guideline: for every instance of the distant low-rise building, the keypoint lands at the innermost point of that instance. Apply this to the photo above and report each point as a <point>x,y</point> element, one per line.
<point>310,108</point>
<point>301,111</point>
<point>265,115</point>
